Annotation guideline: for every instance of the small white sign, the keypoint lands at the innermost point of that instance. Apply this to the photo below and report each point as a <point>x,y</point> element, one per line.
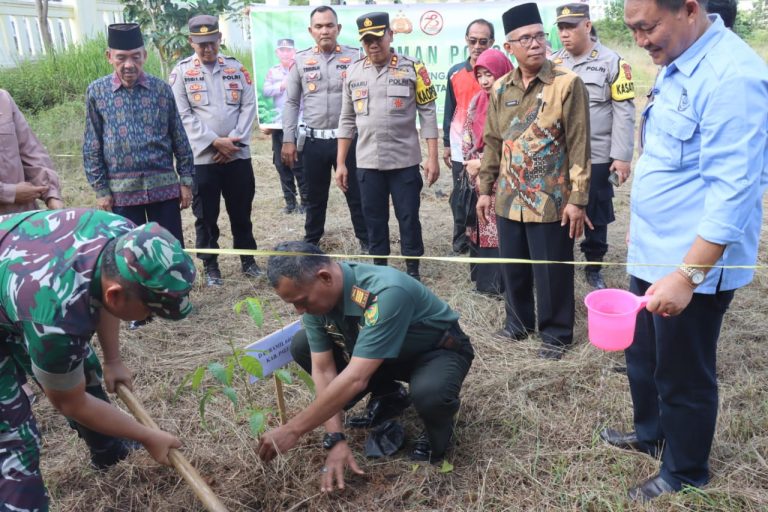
<point>274,351</point>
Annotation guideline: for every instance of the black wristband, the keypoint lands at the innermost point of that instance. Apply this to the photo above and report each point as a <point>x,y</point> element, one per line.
<point>331,438</point>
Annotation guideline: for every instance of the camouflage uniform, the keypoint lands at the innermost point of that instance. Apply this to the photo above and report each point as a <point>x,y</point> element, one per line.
<point>50,292</point>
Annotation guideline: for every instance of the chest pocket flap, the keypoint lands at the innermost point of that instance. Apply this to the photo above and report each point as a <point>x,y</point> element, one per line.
<point>197,93</point>
<point>679,126</point>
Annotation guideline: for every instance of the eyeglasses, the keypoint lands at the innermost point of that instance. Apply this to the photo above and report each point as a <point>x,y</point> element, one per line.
<point>472,41</point>
<point>527,41</point>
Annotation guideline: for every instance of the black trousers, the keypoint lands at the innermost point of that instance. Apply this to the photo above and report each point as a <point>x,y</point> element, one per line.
<point>554,283</point>
<point>165,213</point>
<point>287,174</point>
<point>600,212</point>
<point>458,209</point>
<point>319,158</point>
<point>404,185</point>
<point>435,380</point>
<point>235,182</point>
<point>671,367</point>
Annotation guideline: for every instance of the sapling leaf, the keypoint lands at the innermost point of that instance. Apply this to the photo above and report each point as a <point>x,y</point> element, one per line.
<point>284,375</point>
<point>197,377</point>
<point>306,379</point>
<point>253,366</point>
<point>447,467</point>
<point>257,422</point>
<point>254,309</point>
<point>230,370</point>
<point>219,373</point>
<point>181,387</point>
<point>230,393</point>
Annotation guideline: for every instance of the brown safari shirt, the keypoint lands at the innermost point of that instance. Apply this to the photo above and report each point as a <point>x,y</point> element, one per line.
<point>537,145</point>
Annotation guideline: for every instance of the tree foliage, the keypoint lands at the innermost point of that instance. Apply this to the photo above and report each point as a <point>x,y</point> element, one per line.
<point>611,27</point>
<point>164,22</point>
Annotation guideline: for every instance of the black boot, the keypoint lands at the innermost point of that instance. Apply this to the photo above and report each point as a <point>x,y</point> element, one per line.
<point>382,262</point>
<point>381,408</point>
<point>412,268</point>
<point>250,268</point>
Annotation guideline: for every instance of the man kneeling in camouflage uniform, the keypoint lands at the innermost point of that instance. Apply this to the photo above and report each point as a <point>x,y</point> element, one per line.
<point>65,275</point>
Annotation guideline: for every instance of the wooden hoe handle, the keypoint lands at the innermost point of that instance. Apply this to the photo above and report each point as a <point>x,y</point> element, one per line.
<point>180,463</point>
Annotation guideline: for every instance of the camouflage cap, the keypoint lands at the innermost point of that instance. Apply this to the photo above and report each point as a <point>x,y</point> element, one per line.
<point>153,258</point>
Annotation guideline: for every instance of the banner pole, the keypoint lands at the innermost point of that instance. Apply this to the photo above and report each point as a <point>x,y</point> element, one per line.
<point>280,400</point>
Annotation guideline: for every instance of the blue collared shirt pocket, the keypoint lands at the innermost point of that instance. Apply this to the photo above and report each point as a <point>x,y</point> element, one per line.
<point>197,93</point>
<point>683,136</point>
<point>398,99</point>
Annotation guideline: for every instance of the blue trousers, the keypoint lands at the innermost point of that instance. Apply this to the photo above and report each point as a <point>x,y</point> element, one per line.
<point>673,382</point>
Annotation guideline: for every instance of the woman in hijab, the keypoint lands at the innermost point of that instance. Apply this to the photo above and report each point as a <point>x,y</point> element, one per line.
<point>483,238</point>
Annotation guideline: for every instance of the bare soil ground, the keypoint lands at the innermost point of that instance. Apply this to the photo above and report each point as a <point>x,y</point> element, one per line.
<point>527,436</point>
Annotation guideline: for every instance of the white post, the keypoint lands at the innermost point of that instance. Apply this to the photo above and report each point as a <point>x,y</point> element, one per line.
<point>86,20</point>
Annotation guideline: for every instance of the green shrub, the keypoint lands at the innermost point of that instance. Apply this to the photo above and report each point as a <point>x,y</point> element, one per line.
<point>60,77</point>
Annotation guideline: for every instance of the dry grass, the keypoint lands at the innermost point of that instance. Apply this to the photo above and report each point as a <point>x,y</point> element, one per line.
<point>527,435</point>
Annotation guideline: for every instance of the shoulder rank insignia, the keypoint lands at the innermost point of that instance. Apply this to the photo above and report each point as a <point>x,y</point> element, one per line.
<point>360,296</point>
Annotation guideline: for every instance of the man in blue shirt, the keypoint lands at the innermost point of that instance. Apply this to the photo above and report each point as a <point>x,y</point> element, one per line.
<point>696,202</point>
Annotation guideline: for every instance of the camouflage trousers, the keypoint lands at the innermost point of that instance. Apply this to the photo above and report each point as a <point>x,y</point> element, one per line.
<point>21,484</point>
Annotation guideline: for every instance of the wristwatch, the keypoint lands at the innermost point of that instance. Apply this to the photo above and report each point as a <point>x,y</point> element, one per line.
<point>694,275</point>
<point>331,438</point>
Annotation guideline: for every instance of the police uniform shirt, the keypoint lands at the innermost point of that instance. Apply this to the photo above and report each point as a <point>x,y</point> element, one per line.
<point>212,104</point>
<point>380,106</point>
<point>384,314</point>
<point>608,78</point>
<point>316,79</point>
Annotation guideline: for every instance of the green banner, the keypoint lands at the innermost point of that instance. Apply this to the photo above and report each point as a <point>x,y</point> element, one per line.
<point>432,33</point>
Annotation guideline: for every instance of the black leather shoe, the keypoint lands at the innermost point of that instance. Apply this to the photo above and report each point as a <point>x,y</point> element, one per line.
<point>364,247</point>
<point>595,279</point>
<point>381,408</point>
<point>288,208</point>
<point>512,336</point>
<point>412,269</point>
<point>102,459</point>
<point>252,270</point>
<point>422,450</point>
<point>551,352</point>
<point>629,441</point>
<point>650,489</point>
<point>137,324</point>
<point>212,275</point>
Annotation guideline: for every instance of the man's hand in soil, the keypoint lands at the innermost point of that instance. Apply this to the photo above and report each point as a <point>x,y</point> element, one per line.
<point>276,441</point>
<point>339,457</point>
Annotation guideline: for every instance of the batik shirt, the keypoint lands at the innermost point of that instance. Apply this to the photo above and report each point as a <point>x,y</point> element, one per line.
<point>537,145</point>
<point>50,288</point>
<point>131,138</point>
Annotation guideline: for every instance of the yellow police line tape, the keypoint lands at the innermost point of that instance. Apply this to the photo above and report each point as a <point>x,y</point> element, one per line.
<point>456,259</point>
